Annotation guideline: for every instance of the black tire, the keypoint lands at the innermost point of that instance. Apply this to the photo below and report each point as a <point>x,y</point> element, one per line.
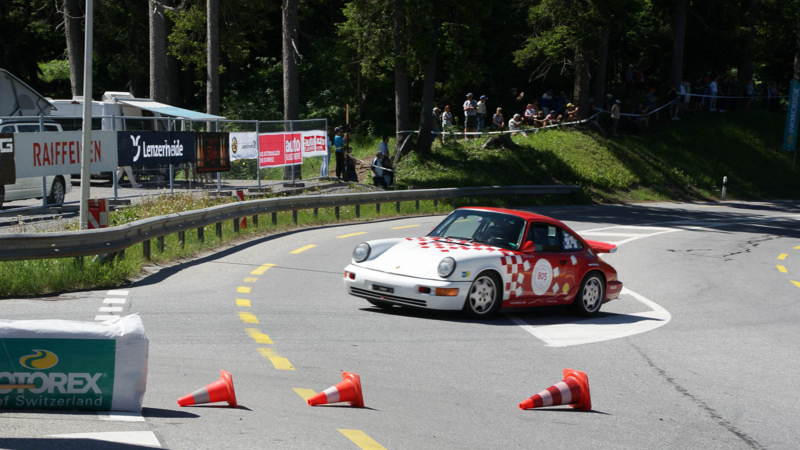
<point>57,191</point>
<point>380,304</point>
<point>484,296</point>
<point>590,295</point>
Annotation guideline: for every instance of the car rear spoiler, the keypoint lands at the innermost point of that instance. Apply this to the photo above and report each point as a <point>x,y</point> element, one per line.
<point>602,247</point>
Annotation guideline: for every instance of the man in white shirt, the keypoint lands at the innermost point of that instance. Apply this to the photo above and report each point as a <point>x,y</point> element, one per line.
<point>470,115</point>
<point>482,112</point>
<point>377,171</point>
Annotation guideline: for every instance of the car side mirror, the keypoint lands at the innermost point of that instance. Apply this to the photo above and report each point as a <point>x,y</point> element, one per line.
<point>528,247</point>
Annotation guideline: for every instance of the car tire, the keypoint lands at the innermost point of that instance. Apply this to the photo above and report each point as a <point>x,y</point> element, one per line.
<point>57,191</point>
<point>590,296</point>
<point>380,304</point>
<point>484,296</point>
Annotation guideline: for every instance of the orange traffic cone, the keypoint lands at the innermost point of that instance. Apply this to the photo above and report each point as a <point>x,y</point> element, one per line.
<point>218,391</point>
<point>573,390</point>
<point>349,390</point>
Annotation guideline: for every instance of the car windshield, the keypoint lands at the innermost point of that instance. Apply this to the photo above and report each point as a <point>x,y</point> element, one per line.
<point>502,230</point>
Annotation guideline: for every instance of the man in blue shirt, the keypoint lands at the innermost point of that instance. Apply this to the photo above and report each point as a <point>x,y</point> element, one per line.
<point>338,145</point>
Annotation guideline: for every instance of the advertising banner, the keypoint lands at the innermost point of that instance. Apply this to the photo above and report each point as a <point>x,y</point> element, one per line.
<point>790,134</point>
<point>8,174</point>
<point>315,143</point>
<point>212,152</point>
<point>244,146</point>
<point>68,365</point>
<point>59,153</point>
<point>279,149</point>
<point>148,148</point>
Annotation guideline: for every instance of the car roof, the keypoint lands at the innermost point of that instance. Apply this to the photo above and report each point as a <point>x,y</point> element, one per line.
<point>529,216</point>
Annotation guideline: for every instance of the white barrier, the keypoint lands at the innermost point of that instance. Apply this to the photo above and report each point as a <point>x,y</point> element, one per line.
<point>69,365</point>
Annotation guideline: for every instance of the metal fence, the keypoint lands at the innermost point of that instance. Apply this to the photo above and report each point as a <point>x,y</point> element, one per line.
<point>138,180</point>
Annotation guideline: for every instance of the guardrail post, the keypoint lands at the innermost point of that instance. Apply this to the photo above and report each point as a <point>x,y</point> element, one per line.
<point>436,204</point>
<point>358,211</point>
<point>146,249</point>
<point>397,206</point>
<point>274,219</point>
<point>491,200</point>
<point>316,212</point>
<point>417,205</point>
<point>294,215</point>
<point>201,234</point>
<point>78,260</point>
<point>160,244</point>
<point>219,230</point>
<point>235,224</point>
<point>255,220</point>
<point>378,208</point>
<point>121,255</point>
<point>470,200</point>
<point>336,211</point>
<point>182,239</point>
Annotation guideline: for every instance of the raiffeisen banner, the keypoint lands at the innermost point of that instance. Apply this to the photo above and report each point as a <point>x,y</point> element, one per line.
<point>279,149</point>
<point>68,365</point>
<point>147,148</point>
<point>59,153</point>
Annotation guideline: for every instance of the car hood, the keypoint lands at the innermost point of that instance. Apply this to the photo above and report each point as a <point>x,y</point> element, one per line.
<point>420,257</point>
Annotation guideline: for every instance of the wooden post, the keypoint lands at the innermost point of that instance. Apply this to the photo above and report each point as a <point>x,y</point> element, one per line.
<point>294,216</point>
<point>336,211</point>
<point>358,210</point>
<point>417,205</point>
<point>378,208</point>
<point>274,219</point>
<point>182,239</point>
<point>146,249</point>
<point>397,206</point>
<point>316,213</point>
<point>160,244</point>
<point>436,204</point>
<point>201,234</point>
<point>219,230</point>
<point>235,224</point>
<point>255,220</point>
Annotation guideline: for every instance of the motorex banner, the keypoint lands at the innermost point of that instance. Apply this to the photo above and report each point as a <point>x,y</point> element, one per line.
<point>790,134</point>
<point>68,365</point>
<point>244,146</point>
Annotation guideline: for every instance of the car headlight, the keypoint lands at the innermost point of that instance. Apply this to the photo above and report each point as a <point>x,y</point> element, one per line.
<point>361,252</point>
<point>446,267</point>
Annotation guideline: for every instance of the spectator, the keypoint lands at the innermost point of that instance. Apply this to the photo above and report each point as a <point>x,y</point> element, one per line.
<point>326,158</point>
<point>514,124</point>
<point>377,171</point>
<point>482,112</point>
<point>447,119</point>
<point>687,94</point>
<point>712,89</point>
<point>388,169</point>
<point>639,81</point>
<point>641,117</point>
<point>514,103</point>
<point>350,163</point>
<point>749,92</point>
<point>530,114</point>
<point>547,101</point>
<point>383,147</point>
<point>628,80</point>
<point>131,177</point>
<point>608,102</point>
<point>699,89</point>
<point>651,100</point>
<point>615,115</point>
<point>435,126</point>
<point>470,115</point>
<point>497,120</point>
<point>706,88</point>
<point>552,118</point>
<point>539,121</point>
<point>572,112</point>
<point>558,102</point>
<point>736,91</point>
<point>338,146</point>
<point>673,96</point>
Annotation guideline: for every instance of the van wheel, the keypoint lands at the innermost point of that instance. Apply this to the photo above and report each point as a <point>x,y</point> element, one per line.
<point>57,191</point>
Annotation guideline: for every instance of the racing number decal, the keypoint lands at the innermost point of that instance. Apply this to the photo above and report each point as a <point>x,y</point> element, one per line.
<point>541,277</point>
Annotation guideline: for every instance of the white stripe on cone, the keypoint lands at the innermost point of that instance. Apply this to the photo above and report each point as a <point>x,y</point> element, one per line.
<point>566,394</point>
<point>331,394</point>
<point>547,399</point>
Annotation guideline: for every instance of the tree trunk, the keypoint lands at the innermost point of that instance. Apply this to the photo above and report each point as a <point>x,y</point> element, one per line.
<point>581,81</point>
<point>158,52</point>
<point>402,108</point>
<point>602,68</point>
<point>797,47</point>
<point>212,57</point>
<point>678,36</point>
<point>426,111</point>
<point>74,33</point>
<point>173,70</point>
<point>750,43</point>
<point>291,77</point>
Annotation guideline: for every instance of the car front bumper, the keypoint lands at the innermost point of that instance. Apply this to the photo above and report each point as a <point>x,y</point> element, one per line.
<point>403,290</point>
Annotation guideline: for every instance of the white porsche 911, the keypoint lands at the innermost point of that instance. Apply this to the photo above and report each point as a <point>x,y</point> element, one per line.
<point>484,259</point>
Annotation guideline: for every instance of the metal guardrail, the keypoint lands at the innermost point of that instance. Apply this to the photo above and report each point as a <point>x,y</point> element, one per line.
<point>23,246</point>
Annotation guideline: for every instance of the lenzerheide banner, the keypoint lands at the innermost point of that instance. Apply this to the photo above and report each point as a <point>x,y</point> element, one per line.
<point>148,148</point>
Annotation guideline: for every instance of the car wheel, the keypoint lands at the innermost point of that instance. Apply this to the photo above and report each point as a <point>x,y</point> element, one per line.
<point>380,304</point>
<point>57,191</point>
<point>484,296</point>
<point>590,296</point>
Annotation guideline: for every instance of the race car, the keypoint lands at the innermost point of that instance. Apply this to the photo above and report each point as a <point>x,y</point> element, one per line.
<point>480,260</point>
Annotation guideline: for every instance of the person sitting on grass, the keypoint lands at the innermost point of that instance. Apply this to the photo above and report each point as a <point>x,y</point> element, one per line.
<point>553,118</point>
<point>530,114</point>
<point>514,124</point>
<point>572,112</point>
<point>538,121</point>
<point>497,120</point>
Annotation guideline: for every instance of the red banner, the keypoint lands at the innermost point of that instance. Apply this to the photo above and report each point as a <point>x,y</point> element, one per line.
<point>314,143</point>
<point>279,149</point>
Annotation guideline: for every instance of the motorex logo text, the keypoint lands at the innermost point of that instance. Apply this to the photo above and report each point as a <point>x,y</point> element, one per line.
<point>41,360</point>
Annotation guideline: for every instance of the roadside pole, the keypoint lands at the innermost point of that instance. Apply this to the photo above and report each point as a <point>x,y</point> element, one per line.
<point>258,165</point>
<point>86,150</point>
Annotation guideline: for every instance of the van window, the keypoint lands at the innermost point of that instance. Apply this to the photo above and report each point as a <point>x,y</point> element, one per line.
<point>35,128</point>
<point>8,129</point>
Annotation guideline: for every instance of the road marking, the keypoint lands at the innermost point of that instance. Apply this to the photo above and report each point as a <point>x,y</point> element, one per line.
<point>601,328</point>
<point>796,283</point>
<point>603,233</point>
<point>110,309</point>
<point>123,293</point>
<point>302,249</point>
<point>141,438</point>
<point>305,394</point>
<point>115,300</point>
<point>351,235</point>
<point>262,269</point>
<point>247,317</point>
<point>104,317</point>
<point>242,302</point>
<point>120,416</point>
<point>361,439</point>
<point>243,289</point>
<point>279,362</point>
<point>781,269</point>
<point>406,226</point>
<point>797,248</point>
<point>250,280</point>
<point>260,337</point>
<point>782,256</point>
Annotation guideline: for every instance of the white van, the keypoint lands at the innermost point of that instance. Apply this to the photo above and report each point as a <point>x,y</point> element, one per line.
<point>26,188</point>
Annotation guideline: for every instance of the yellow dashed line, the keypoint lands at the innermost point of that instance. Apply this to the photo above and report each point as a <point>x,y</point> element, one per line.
<point>247,317</point>
<point>262,269</point>
<point>242,302</point>
<point>781,269</point>
<point>350,235</point>
<point>276,360</point>
<point>243,289</point>
<point>250,280</point>
<point>407,226</point>
<point>361,439</point>
<point>796,283</point>
<point>259,337</point>
<point>782,256</point>
<point>797,248</point>
<point>302,249</point>
<point>305,394</point>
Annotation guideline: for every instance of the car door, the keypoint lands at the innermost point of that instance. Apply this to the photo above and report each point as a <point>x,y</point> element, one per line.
<point>549,271</point>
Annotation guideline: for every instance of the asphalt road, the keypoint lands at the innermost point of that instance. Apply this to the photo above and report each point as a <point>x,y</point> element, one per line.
<point>701,351</point>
